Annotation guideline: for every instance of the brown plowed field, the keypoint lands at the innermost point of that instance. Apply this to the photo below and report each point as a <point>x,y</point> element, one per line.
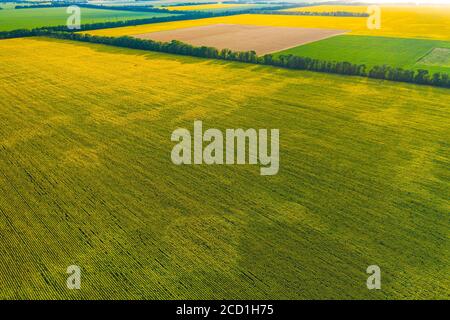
<point>236,37</point>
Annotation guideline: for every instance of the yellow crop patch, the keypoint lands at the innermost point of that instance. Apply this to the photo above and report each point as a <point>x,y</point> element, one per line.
<point>355,9</point>
<point>205,7</point>
<point>425,22</point>
<point>409,21</point>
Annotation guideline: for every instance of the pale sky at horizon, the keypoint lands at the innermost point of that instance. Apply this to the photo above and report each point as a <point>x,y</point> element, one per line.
<point>423,2</point>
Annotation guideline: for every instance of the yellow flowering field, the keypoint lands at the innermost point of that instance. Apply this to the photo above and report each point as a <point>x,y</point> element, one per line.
<point>86,179</point>
<point>205,7</point>
<point>407,21</point>
<point>329,8</point>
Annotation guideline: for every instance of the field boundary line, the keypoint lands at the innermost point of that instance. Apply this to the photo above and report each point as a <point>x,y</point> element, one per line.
<point>312,41</point>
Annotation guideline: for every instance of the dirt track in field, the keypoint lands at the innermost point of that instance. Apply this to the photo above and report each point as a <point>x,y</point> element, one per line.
<point>237,37</point>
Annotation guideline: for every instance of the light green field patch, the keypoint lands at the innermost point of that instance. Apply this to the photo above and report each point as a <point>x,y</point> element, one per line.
<point>372,51</point>
<point>437,57</point>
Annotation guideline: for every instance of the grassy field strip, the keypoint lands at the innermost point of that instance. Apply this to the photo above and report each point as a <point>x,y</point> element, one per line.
<point>42,17</point>
<point>404,53</point>
<point>86,179</point>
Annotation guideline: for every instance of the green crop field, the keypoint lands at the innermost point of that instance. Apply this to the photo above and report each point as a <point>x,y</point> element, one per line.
<point>369,50</point>
<point>86,178</point>
<point>11,19</point>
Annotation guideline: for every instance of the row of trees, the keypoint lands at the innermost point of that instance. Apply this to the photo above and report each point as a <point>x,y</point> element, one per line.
<point>384,72</point>
<point>285,61</point>
<point>420,76</point>
<point>174,47</point>
<point>295,62</point>
<point>20,33</point>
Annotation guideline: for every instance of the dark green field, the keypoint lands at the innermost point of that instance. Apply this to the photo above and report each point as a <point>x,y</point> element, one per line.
<point>396,52</point>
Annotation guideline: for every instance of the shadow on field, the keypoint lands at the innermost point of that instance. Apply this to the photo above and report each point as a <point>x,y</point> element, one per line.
<point>160,55</point>
<point>289,73</point>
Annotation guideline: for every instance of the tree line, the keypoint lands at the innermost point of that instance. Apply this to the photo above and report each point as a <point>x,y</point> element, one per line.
<point>289,61</point>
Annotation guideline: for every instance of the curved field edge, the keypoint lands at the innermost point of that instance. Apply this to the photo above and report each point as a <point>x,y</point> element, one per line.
<point>86,179</point>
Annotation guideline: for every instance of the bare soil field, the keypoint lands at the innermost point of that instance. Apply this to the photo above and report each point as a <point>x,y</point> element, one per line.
<point>261,39</point>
